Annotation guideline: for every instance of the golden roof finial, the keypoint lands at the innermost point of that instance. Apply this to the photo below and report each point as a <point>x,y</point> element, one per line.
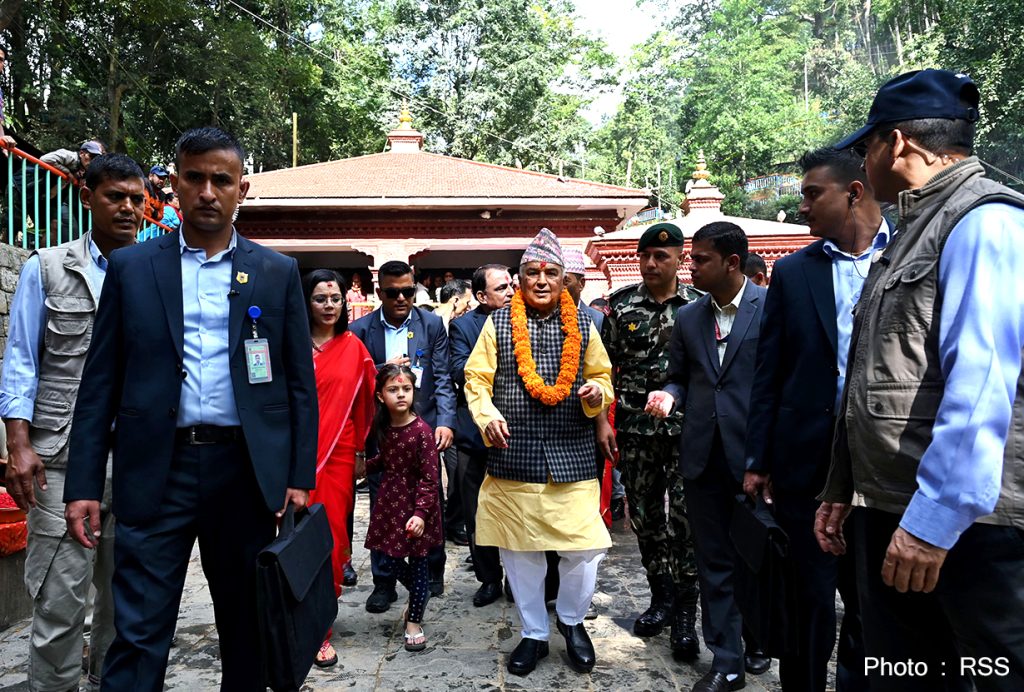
<point>702,168</point>
<point>405,119</point>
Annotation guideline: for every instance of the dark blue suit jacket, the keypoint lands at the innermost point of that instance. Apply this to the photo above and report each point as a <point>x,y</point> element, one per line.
<point>463,334</point>
<point>133,377</point>
<point>435,399</point>
<point>791,406</point>
<point>713,395</point>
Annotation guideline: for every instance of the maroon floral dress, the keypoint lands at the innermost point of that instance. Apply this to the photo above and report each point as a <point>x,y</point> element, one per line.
<point>409,459</point>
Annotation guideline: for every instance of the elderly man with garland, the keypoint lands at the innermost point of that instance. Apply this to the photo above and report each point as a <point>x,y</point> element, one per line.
<point>541,490</point>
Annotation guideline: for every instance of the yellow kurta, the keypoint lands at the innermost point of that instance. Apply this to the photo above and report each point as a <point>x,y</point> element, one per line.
<point>535,516</point>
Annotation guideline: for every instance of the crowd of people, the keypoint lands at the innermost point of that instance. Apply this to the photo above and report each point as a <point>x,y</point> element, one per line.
<point>869,402</point>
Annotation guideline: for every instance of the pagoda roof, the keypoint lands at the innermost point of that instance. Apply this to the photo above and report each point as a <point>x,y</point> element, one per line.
<point>422,175</point>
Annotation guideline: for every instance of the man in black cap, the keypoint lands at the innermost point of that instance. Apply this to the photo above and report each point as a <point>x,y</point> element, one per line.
<point>930,439</point>
<point>636,334</point>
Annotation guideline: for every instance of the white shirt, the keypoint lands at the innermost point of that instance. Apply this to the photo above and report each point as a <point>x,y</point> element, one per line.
<point>725,315</point>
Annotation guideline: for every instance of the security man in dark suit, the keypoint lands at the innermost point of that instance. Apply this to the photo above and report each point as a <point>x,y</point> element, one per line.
<point>208,443</point>
<point>801,368</point>
<point>711,369</point>
<point>492,288</point>
<point>397,332</point>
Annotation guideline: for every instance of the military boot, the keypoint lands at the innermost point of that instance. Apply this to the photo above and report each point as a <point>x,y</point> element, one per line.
<point>654,619</point>
<point>684,643</point>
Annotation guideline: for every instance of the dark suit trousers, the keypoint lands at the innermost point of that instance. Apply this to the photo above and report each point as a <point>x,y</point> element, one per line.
<point>710,502</point>
<point>436,558</point>
<point>470,476</point>
<point>974,614</point>
<point>211,494</point>
<point>454,509</point>
<point>818,574</point>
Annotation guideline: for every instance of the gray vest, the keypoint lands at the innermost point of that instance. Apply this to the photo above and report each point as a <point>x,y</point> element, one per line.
<point>894,380</point>
<point>70,310</point>
<point>555,441</point>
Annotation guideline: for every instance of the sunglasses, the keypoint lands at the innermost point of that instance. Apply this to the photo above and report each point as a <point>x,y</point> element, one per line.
<point>860,148</point>
<point>393,293</point>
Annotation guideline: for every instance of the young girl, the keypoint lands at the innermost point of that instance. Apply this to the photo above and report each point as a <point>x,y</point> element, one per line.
<point>406,519</point>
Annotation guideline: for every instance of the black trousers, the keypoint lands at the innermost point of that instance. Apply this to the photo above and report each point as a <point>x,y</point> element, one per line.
<point>454,512</point>
<point>211,494</point>
<point>711,501</point>
<point>469,475</point>
<point>970,628</point>
<point>818,574</point>
<point>436,558</point>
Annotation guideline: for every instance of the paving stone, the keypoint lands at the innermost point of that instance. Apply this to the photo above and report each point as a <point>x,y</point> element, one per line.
<point>468,647</point>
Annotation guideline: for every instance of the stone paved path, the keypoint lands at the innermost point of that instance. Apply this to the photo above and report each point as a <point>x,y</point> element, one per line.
<point>467,647</point>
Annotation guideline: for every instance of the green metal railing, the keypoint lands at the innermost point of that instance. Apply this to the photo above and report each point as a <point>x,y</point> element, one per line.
<point>42,207</point>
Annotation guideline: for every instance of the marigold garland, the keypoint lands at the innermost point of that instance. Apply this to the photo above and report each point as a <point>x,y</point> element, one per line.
<point>550,395</point>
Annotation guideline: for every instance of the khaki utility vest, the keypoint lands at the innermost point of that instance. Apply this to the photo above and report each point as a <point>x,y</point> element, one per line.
<point>894,379</point>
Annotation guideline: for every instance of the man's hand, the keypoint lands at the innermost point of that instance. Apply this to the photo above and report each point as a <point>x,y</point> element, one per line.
<point>911,563</point>
<point>24,467</point>
<point>756,483</point>
<point>606,439</point>
<point>399,360</point>
<point>8,144</point>
<point>828,526</point>
<point>83,518</point>
<point>297,497</point>
<point>498,434</point>
<point>659,404</point>
<point>591,395</point>
<point>443,437</point>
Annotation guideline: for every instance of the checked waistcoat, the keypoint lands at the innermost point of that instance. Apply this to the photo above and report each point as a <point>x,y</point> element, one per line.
<point>555,441</point>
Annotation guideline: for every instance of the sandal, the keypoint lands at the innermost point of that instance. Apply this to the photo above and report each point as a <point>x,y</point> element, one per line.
<point>321,661</point>
<point>416,641</point>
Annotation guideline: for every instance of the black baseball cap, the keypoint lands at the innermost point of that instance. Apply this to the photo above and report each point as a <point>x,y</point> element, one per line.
<point>918,95</point>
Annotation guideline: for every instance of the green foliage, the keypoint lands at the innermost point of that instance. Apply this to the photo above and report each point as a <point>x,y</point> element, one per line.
<point>753,83</point>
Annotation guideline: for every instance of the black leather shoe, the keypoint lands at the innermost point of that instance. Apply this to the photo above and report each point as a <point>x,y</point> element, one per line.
<point>459,537</point>
<point>436,587</point>
<point>524,657</point>
<point>684,642</point>
<point>715,681</point>
<point>381,598</point>
<point>618,509</point>
<point>578,646</point>
<point>487,594</point>
<point>348,575</point>
<point>756,662</point>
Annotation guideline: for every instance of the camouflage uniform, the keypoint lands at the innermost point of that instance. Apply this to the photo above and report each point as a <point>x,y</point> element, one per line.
<point>636,335</point>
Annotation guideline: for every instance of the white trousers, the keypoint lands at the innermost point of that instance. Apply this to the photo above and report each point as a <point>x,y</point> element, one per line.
<point>577,572</point>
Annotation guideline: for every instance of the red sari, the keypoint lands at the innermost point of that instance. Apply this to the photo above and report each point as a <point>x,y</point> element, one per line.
<point>344,386</point>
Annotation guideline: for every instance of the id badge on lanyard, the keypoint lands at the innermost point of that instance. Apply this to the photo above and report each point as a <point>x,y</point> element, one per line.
<point>417,369</point>
<point>257,352</point>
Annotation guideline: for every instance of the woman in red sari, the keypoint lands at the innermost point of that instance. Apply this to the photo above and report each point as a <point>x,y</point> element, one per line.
<point>344,385</point>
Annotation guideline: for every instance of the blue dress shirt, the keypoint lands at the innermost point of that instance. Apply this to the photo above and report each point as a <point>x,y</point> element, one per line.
<point>981,335</point>
<point>20,380</point>
<point>848,275</point>
<point>207,396</point>
<point>396,339</point>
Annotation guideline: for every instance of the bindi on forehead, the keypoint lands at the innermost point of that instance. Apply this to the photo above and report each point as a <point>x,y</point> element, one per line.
<point>400,379</point>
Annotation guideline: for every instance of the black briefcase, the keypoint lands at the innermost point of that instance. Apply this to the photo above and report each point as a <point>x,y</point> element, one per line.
<point>295,596</point>
<point>763,581</point>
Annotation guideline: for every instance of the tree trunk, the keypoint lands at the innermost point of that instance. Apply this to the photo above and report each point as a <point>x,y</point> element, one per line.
<point>9,9</point>
<point>115,93</point>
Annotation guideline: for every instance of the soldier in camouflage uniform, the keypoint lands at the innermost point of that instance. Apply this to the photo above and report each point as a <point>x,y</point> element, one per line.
<point>636,335</point>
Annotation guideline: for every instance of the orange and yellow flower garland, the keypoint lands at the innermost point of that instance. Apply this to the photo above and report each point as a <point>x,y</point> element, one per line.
<point>549,395</point>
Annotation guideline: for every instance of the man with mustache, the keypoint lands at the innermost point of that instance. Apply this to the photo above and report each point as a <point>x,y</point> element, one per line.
<point>51,327</point>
